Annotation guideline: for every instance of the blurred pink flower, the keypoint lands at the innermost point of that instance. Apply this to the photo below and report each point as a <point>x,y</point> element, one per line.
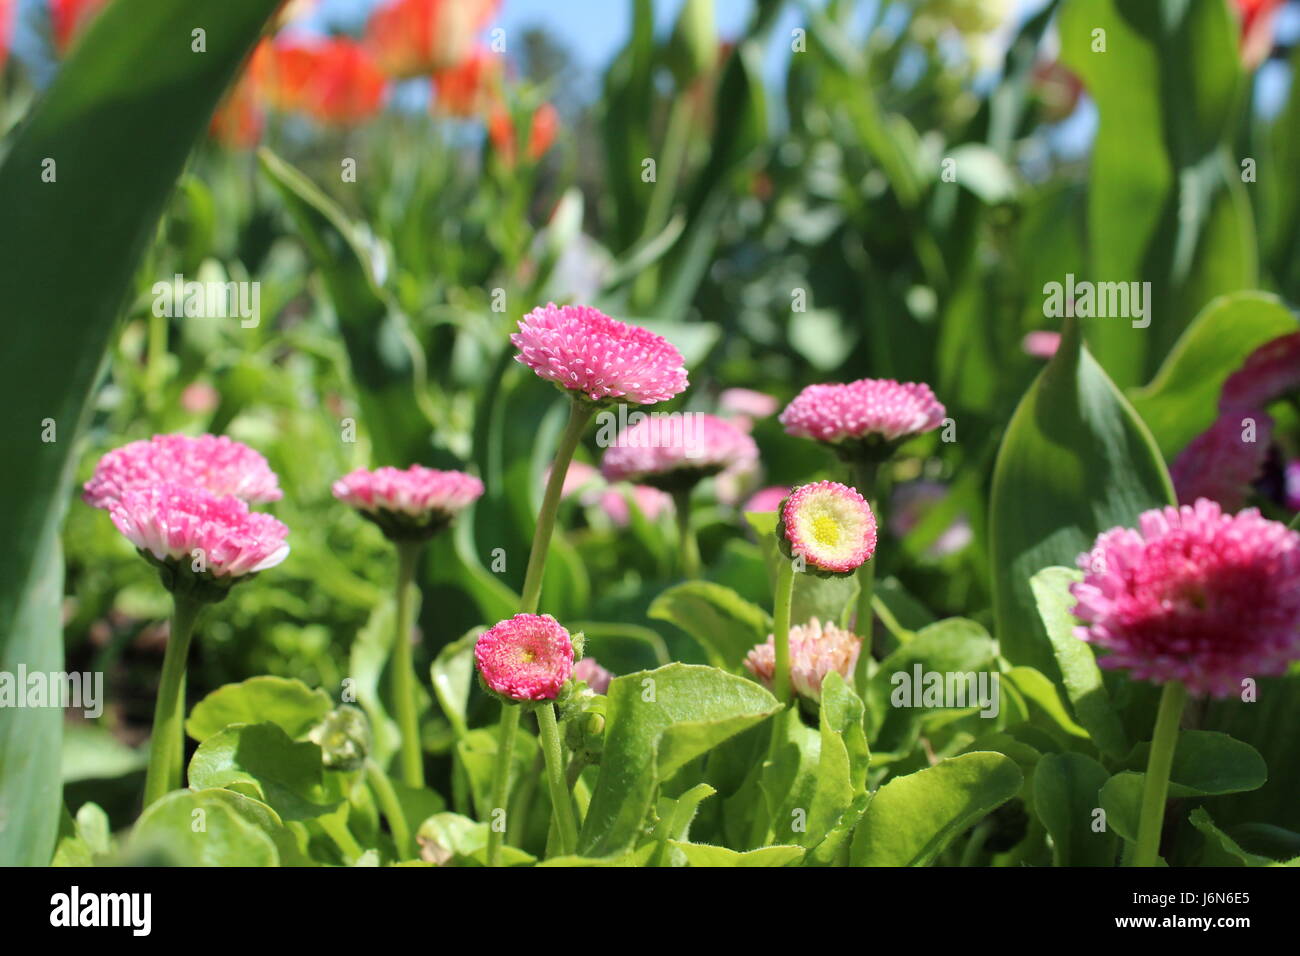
<point>413,503</point>
<point>526,657</point>
<point>592,674</point>
<point>1041,344</point>
<point>866,409</point>
<point>651,502</point>
<point>7,9</point>
<point>1220,463</point>
<point>910,502</point>
<point>830,525</point>
<point>1194,595</point>
<point>1271,372</point>
<point>664,452</point>
<point>199,398</point>
<point>747,403</point>
<point>767,499</point>
<point>582,349</point>
<point>1257,22</point>
<point>209,462</point>
<point>172,522</point>
<point>815,651</point>
<point>69,17</point>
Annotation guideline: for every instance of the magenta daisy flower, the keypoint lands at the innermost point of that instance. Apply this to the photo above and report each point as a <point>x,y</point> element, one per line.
<point>214,463</point>
<point>1041,344</point>
<point>583,350</point>
<point>863,413</point>
<point>829,525</point>
<point>1193,595</point>
<point>651,502</point>
<point>679,450</point>
<point>1220,464</point>
<point>767,499</point>
<point>815,651</point>
<point>195,536</point>
<point>526,657</point>
<point>411,504</point>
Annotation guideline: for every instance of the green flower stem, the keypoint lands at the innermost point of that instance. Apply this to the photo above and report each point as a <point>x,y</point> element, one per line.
<point>561,800</point>
<point>403,667</point>
<point>781,630</point>
<point>580,414</point>
<point>864,480</point>
<point>501,779</point>
<point>337,830</point>
<point>386,796</point>
<point>688,549</point>
<point>165,743</point>
<point>1156,788</point>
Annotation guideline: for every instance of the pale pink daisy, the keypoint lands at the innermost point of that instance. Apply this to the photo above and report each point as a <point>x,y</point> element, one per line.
<point>829,525</point>
<point>1041,344</point>
<point>526,657</point>
<point>1193,595</point>
<point>679,450</point>
<point>869,410</point>
<point>815,651</point>
<point>767,499</point>
<point>213,463</point>
<point>1224,461</point>
<point>651,502</point>
<point>746,404</point>
<point>180,525</point>
<point>582,349</point>
<point>411,503</point>
<point>592,674</point>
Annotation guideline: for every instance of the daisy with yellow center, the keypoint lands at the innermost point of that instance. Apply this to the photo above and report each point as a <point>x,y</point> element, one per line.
<point>830,526</point>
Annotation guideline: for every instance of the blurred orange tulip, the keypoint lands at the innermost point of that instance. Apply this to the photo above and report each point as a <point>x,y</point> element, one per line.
<point>332,80</point>
<point>6,29</point>
<point>541,135</point>
<point>466,89</point>
<point>69,17</point>
<point>418,37</point>
<point>1257,18</point>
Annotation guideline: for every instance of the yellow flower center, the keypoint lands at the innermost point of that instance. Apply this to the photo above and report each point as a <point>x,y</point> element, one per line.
<point>826,530</point>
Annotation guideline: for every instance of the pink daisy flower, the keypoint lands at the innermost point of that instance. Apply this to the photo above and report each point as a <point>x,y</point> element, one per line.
<point>1041,344</point>
<point>1271,371</point>
<point>408,504</point>
<point>1220,464</point>
<point>213,463</point>
<point>869,410</point>
<point>526,657</point>
<point>677,451</point>
<point>582,349</point>
<point>179,525</point>
<point>815,651</point>
<point>1193,595</point>
<point>592,674</point>
<point>830,525</point>
<point>650,501</point>
<point>746,403</point>
<point>767,499</point>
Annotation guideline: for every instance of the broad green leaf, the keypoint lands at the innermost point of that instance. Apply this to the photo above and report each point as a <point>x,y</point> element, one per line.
<point>1267,722</point>
<point>656,722</point>
<point>1223,850</point>
<point>98,122</point>
<point>725,624</point>
<point>1076,662</point>
<point>477,751</point>
<point>84,840</point>
<point>200,829</point>
<point>1075,461</point>
<point>842,765</point>
<point>675,817</point>
<point>289,704</point>
<point>911,819</point>
<point>91,752</point>
<point>1043,700</point>
<point>1183,399</point>
<point>700,854</point>
<point>1207,762</point>
<point>452,676</point>
<point>787,781</point>
<point>387,363</point>
<point>1067,790</point>
<point>449,839</point>
<point>285,774</point>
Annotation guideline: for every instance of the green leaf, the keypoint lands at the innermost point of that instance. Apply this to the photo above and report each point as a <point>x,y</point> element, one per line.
<point>911,819</point>
<point>656,722</point>
<point>200,829</point>
<point>98,121</point>
<point>1183,398</point>
<point>1075,461</point>
<point>1223,850</point>
<point>284,774</point>
<point>843,761</point>
<point>289,704</point>
<point>721,621</point>
<point>452,839</point>
<point>1067,790</point>
<point>1046,709</point>
<point>387,363</point>
<point>1207,763</point>
<point>1076,661</point>
<point>700,854</point>
<point>452,676</point>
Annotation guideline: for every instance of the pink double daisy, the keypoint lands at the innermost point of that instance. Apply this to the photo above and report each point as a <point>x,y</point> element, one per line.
<point>214,463</point>
<point>411,503</point>
<point>672,451</point>
<point>869,411</point>
<point>815,651</point>
<point>829,525</point>
<point>526,657</point>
